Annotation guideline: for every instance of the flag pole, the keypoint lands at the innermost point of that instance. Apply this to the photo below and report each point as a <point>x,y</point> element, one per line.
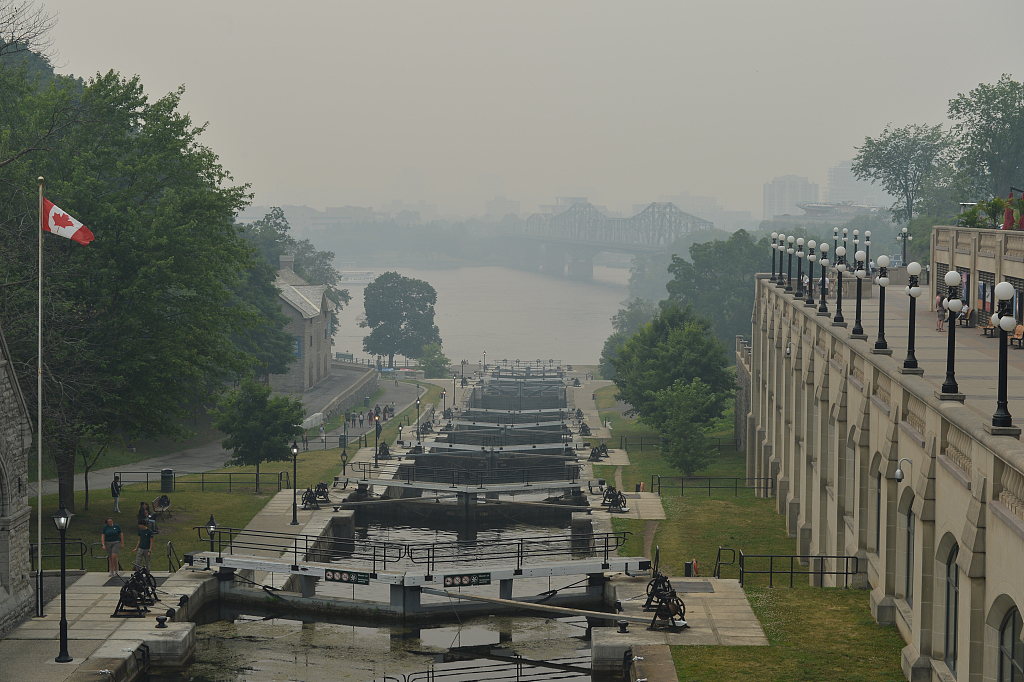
<point>39,421</point>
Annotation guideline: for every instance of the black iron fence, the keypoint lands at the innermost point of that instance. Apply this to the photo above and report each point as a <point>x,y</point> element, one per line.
<point>518,550</point>
<point>216,480</point>
<point>73,548</point>
<point>654,442</point>
<point>788,564</point>
<point>765,486</point>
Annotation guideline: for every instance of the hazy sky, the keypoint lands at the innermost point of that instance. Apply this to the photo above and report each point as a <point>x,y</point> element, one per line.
<point>329,103</point>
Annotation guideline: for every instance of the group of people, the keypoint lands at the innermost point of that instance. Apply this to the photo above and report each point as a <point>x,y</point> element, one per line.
<point>112,536</point>
<point>942,313</point>
<point>385,413</point>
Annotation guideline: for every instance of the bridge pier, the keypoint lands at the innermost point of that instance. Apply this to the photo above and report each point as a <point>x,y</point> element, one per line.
<point>581,267</point>
<point>553,262</point>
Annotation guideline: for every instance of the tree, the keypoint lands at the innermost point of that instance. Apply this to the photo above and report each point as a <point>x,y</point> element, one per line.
<point>258,426</point>
<point>989,130</point>
<point>25,28</point>
<point>901,160</point>
<point>400,311</point>
<point>676,345</point>
<point>434,362</point>
<point>683,414</point>
<point>719,282</point>
<point>625,323</point>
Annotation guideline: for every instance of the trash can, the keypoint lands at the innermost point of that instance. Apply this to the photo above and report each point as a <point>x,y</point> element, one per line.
<point>638,487</point>
<point>366,401</point>
<point>167,480</point>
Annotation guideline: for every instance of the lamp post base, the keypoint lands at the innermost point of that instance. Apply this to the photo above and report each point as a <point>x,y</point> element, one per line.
<point>823,313</point>
<point>1012,431</point>
<point>911,370</point>
<point>959,397</point>
<point>881,351</point>
<point>862,337</point>
<point>842,323</point>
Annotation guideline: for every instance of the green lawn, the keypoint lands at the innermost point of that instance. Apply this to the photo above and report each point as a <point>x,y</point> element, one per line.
<point>814,634</point>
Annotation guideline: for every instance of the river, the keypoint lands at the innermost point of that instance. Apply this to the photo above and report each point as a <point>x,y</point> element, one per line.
<point>508,313</point>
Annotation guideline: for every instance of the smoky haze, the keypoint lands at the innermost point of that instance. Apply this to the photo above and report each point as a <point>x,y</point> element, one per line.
<point>334,103</point>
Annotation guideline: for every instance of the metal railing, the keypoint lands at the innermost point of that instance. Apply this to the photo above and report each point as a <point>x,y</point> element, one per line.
<point>73,547</point>
<point>282,479</point>
<point>173,561</point>
<point>478,477</point>
<point>792,569</point>
<point>765,485</point>
<point>519,550</point>
<point>719,563</point>
<point>625,441</point>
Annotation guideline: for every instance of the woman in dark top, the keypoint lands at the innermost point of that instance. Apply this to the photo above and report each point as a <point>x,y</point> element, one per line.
<point>111,539</point>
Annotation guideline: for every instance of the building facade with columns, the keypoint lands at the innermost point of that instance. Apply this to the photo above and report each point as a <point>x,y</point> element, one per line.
<point>940,548</point>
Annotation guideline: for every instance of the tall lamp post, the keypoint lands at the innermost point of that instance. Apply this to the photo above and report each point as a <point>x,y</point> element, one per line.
<point>809,301</point>
<point>781,248</point>
<point>835,238</point>
<point>295,484</point>
<point>444,401</point>
<point>417,421</point>
<point>399,433</point>
<point>1006,321</point>
<point>858,329</point>
<point>867,249</point>
<point>881,347</point>
<point>839,320</point>
<point>799,268</point>
<point>775,239</point>
<point>211,530</point>
<point>376,440</point>
<point>62,519</point>
<point>913,291</point>
<point>822,304</point>
<point>789,264</point>
<point>950,389</point>
<point>485,361</point>
<point>904,237</point>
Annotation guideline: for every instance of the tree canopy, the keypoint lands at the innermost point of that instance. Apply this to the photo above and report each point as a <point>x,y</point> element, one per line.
<point>400,313</point>
<point>989,132</point>
<point>434,362</point>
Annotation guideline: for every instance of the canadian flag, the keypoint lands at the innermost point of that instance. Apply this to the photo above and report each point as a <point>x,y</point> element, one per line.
<point>57,221</point>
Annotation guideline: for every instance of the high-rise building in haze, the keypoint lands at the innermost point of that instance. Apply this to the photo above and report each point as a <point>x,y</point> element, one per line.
<point>783,193</point>
<point>844,187</point>
<point>499,207</point>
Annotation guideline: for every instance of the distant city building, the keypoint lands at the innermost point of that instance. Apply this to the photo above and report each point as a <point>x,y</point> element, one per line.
<point>783,193</point>
<point>844,187</point>
<point>408,212</point>
<point>499,207</point>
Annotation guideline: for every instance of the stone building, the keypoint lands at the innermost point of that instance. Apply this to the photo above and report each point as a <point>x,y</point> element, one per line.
<point>940,548</point>
<point>309,312</point>
<point>16,585</point>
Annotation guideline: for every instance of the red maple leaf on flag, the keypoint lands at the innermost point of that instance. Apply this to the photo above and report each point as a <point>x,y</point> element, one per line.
<point>62,220</point>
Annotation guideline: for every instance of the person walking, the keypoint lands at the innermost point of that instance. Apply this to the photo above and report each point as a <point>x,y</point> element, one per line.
<point>360,420</point>
<point>111,539</point>
<point>940,312</point>
<point>305,441</point>
<point>115,492</point>
<point>323,434</point>
<point>144,546</point>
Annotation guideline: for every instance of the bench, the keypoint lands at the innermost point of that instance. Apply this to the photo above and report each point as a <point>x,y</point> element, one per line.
<point>159,509</point>
<point>989,329</point>
<point>1018,335</point>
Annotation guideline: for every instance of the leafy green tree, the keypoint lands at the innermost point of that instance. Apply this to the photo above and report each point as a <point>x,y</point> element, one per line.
<point>258,426</point>
<point>676,345</point>
<point>684,413</point>
<point>626,322</point>
<point>434,362</point>
<point>900,160</point>
<point>719,282</point>
<point>400,313</point>
<point>265,339</point>
<point>989,130</point>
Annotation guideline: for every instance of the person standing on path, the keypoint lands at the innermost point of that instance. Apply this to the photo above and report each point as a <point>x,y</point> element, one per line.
<point>144,546</point>
<point>323,434</point>
<point>111,539</point>
<point>940,313</point>
<point>360,420</point>
<point>115,492</point>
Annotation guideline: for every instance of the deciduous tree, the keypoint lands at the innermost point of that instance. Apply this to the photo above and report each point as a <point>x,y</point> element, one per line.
<point>434,362</point>
<point>989,130</point>
<point>400,313</point>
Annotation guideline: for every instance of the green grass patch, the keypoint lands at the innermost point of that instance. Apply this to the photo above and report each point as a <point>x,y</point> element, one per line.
<point>606,397</point>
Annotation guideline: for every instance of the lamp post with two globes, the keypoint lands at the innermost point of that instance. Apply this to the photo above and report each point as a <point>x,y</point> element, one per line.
<point>913,290</point>
<point>789,264</point>
<point>858,329</point>
<point>811,257</point>
<point>775,239</point>
<point>781,248</point>
<point>839,320</point>
<point>904,237</point>
<point>822,304</point>
<point>881,347</point>
<point>950,389</point>
<point>1005,320</point>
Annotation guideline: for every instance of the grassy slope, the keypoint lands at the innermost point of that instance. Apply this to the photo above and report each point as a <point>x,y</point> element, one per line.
<point>814,634</point>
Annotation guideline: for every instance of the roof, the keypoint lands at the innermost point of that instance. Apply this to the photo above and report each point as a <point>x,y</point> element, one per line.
<point>305,298</point>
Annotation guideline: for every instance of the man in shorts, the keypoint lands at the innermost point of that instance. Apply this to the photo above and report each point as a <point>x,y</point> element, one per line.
<point>112,538</point>
<point>144,546</point>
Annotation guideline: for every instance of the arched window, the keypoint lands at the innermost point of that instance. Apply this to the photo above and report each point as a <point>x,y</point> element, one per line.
<point>909,587</point>
<point>952,607</point>
<point>1011,651</point>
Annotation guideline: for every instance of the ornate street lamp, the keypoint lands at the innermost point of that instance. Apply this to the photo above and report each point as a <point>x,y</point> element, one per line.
<point>775,239</point>
<point>485,361</point>
<point>881,347</point>
<point>913,290</point>
<point>867,249</point>
<point>950,389</point>
<point>809,301</point>
<point>789,264</point>
<point>444,400</point>
<point>399,433</point>
<point>904,237</point>
<point>1005,320</point>
<point>295,485</point>
<point>822,304</point>
<point>417,420</point>
<point>858,330</point>
<point>376,440</point>
<point>781,248</point>
<point>835,238</point>
<point>799,268</point>
<point>211,530</point>
<point>62,519</point>
<point>839,320</point>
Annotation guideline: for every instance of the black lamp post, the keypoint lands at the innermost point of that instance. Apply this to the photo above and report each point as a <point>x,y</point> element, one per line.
<point>781,248</point>
<point>62,519</point>
<point>344,442</point>
<point>485,361</point>
<point>822,304</point>
<point>376,440</point>
<point>417,420</point>
<point>835,238</point>
<point>858,330</point>
<point>904,237</point>
<point>800,268</point>
<point>211,530</point>
<point>444,401</point>
<point>914,291</point>
<point>399,433</point>
<point>789,264</point>
<point>839,320</point>
<point>867,250</point>
<point>953,304</point>
<point>775,239</point>
<point>295,484</point>
<point>883,282</point>
<point>1006,321</point>
<point>809,301</point>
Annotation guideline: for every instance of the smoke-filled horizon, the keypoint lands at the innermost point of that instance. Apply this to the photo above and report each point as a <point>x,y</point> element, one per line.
<point>453,103</point>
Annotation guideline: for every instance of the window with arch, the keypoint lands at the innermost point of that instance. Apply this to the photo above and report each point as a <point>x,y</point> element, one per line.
<point>1011,651</point>
<point>908,588</point>
<point>952,607</point>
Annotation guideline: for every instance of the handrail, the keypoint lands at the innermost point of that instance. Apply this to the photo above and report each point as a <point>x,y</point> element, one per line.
<point>68,542</point>
<point>820,571</point>
<point>283,478</point>
<point>719,563</point>
<point>518,549</point>
<point>624,441</point>
<point>171,553</point>
<point>765,484</point>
